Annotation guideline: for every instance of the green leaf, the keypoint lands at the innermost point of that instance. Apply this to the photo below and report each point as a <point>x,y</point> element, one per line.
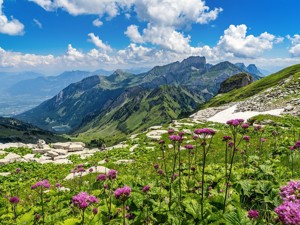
<point>192,207</point>
<point>72,221</point>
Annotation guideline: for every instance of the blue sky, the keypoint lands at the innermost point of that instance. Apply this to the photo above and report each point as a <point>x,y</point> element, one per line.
<point>51,36</point>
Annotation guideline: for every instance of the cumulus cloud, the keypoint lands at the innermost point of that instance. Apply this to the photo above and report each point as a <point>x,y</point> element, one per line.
<point>295,49</point>
<point>175,13</point>
<point>93,7</point>
<point>99,43</point>
<point>97,22</point>
<point>10,27</point>
<point>236,42</point>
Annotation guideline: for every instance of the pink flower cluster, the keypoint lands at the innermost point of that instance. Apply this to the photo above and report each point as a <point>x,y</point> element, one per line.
<point>83,200</point>
<point>42,183</point>
<point>291,192</point>
<point>204,131</point>
<point>175,137</point>
<point>235,122</point>
<point>122,193</point>
<point>289,211</point>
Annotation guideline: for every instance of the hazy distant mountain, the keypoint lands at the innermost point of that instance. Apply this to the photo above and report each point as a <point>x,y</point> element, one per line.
<point>123,103</point>
<point>10,78</point>
<point>46,86</point>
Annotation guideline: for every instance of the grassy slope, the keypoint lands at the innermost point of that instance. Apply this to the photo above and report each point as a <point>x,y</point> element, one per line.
<point>254,88</point>
<point>135,115</point>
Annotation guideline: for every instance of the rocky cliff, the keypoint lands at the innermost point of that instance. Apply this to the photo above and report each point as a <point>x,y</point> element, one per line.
<point>235,82</point>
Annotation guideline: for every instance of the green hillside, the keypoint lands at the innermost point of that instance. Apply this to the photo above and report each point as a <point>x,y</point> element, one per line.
<point>150,107</point>
<point>255,87</point>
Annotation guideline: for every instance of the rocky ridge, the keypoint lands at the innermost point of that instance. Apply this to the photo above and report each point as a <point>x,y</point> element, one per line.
<point>57,153</point>
<point>285,95</point>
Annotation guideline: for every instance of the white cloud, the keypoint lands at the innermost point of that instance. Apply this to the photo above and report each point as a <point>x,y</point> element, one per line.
<point>175,13</point>
<point>295,49</point>
<point>93,7</point>
<point>10,27</point>
<point>236,42</point>
<point>38,23</point>
<point>133,33</point>
<point>97,22</point>
<point>99,43</point>
<point>45,4</point>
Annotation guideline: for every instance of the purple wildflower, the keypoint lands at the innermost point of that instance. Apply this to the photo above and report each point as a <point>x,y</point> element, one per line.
<point>156,166</point>
<point>205,131</point>
<point>253,214</point>
<point>175,138</point>
<point>189,147</point>
<point>181,133</point>
<point>18,170</point>
<point>95,211</point>
<point>112,174</point>
<point>289,213</point>
<point>83,200</point>
<point>14,200</point>
<point>146,188</point>
<point>227,138</point>
<point>171,131</point>
<point>42,183</point>
<point>122,193</point>
<point>246,138</point>
<point>101,177</point>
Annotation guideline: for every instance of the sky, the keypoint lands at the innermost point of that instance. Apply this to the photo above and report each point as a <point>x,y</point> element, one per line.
<point>52,36</point>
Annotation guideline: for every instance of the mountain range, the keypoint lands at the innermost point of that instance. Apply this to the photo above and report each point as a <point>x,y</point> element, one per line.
<point>122,103</point>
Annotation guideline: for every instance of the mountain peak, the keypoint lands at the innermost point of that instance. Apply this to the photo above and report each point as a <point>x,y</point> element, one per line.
<point>195,61</point>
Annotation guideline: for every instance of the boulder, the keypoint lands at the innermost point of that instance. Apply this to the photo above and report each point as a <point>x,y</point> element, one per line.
<point>236,81</point>
<point>75,147</point>
<point>60,151</point>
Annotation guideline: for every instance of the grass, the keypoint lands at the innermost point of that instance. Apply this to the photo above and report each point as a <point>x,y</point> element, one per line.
<point>254,88</point>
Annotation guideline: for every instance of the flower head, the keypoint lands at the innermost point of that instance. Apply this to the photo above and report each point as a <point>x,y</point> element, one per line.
<point>83,200</point>
<point>112,174</point>
<point>234,122</point>
<point>95,211</point>
<point>42,184</point>
<point>123,193</point>
<point>101,177</point>
<point>175,137</point>
<point>171,131</point>
<point>146,188</point>
<point>253,214</point>
<point>181,133</point>
<point>156,166</point>
<point>14,200</point>
<point>18,170</point>
<point>205,131</point>
<point>245,125</point>
<point>288,213</point>
<point>227,138</point>
<point>246,138</point>
<point>190,147</point>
